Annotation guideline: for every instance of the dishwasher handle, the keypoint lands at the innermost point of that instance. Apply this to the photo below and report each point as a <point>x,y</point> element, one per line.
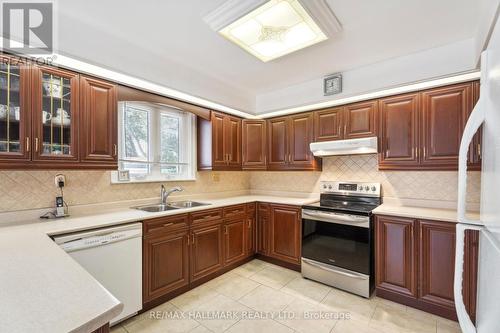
<point>99,240</point>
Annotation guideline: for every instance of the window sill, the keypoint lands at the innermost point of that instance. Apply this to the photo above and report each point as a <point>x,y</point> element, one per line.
<point>114,180</point>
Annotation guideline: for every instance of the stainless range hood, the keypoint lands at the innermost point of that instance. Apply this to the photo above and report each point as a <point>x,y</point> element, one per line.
<point>345,147</point>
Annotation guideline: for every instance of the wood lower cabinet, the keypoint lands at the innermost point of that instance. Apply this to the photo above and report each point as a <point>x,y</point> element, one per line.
<point>234,240</point>
<point>398,134</point>
<point>444,114</point>
<point>206,251</point>
<point>415,264</point>
<point>263,216</point>
<point>360,120</point>
<point>99,119</point>
<point>285,233</point>
<point>251,229</point>
<point>166,263</point>
<point>396,255</point>
<point>254,145</point>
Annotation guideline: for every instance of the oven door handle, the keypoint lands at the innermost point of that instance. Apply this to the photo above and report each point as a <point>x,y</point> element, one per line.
<point>336,270</point>
<point>337,218</point>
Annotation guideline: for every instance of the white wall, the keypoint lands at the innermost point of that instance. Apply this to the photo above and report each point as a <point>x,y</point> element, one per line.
<point>442,61</point>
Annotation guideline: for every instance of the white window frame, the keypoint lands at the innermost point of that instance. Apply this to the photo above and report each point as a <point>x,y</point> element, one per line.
<point>186,154</point>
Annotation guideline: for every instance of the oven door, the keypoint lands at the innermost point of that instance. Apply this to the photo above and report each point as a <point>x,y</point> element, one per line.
<point>338,239</point>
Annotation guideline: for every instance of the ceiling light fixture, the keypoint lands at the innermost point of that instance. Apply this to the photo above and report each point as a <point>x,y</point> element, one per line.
<point>273,28</point>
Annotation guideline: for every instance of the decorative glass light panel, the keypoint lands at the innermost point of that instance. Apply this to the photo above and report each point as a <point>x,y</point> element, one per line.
<point>10,108</point>
<point>56,115</point>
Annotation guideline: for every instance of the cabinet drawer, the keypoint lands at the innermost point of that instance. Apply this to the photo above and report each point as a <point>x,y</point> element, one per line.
<point>206,216</point>
<point>165,224</point>
<point>234,211</point>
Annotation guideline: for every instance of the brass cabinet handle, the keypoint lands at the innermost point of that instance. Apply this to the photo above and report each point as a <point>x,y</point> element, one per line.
<point>249,223</point>
<point>115,150</point>
<point>27,144</point>
<point>225,230</point>
<point>188,240</point>
<point>193,242</point>
<point>479,150</point>
<point>36,145</point>
<point>167,224</point>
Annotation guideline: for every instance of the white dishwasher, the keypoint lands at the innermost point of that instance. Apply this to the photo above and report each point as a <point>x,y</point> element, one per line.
<point>113,256</point>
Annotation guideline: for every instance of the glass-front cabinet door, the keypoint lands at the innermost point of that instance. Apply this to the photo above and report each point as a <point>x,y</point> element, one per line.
<point>14,110</point>
<point>55,114</point>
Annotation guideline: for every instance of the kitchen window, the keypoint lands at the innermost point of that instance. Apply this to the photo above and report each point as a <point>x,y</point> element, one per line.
<point>156,143</point>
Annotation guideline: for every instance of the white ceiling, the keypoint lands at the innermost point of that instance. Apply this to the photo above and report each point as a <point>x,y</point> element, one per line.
<point>167,42</point>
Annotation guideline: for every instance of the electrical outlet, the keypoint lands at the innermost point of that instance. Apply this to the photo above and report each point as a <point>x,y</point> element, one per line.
<point>215,177</point>
<point>60,180</point>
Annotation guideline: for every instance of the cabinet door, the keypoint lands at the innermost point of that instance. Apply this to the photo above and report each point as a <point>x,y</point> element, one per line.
<point>254,147</point>
<point>263,229</point>
<point>328,125</point>
<point>360,120</point>
<point>55,114</point>
<point>234,241</point>
<point>277,143</point>
<point>300,135</point>
<point>219,156</point>
<point>475,146</point>
<point>443,114</point>
<point>396,255</point>
<point>285,230</point>
<point>250,235</point>
<point>98,130</point>
<point>15,111</point>
<point>399,131</point>
<point>206,251</point>
<point>166,264</point>
<point>437,263</point>
<point>232,142</point>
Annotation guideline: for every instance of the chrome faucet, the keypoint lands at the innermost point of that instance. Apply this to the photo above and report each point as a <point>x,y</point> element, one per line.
<point>164,193</point>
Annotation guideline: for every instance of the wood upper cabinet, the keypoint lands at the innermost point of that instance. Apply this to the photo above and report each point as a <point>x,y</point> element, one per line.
<point>219,142</point>
<point>254,144</point>
<point>285,233</point>
<point>396,255</point>
<point>277,129</point>
<point>15,120</point>
<point>262,241</point>
<point>98,130</point>
<point>437,263</point>
<point>166,263</point>
<point>360,120</point>
<point>55,115</point>
<point>398,134</point>
<point>444,113</point>
<point>206,251</point>
<point>234,240</point>
<point>288,143</point>
<point>328,124</point>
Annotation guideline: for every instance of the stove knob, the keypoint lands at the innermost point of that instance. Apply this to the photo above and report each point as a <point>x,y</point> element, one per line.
<point>324,186</point>
<point>360,188</point>
<point>373,188</point>
<point>329,187</point>
<point>367,188</point>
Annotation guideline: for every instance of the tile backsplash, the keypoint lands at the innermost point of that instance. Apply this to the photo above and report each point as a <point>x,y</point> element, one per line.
<point>35,189</point>
<point>430,185</point>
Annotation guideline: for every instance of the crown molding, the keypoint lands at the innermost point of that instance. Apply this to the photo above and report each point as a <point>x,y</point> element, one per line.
<point>229,12</point>
<point>323,15</point>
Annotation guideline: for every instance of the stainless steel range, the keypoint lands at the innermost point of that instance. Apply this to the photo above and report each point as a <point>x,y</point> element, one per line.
<point>337,236</point>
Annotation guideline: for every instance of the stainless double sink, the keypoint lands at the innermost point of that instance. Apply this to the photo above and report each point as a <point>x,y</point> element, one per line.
<point>170,206</point>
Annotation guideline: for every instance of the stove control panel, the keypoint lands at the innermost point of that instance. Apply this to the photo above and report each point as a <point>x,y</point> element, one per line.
<point>351,188</point>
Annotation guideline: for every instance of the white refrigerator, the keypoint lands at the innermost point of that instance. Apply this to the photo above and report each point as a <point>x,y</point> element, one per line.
<point>486,113</point>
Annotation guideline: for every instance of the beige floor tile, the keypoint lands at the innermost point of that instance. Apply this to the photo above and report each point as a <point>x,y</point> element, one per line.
<point>352,306</point>
<point>305,317</point>
<point>420,315</point>
<point>306,289</point>
<point>447,326</point>
<point>165,324</point>
<point>194,298</point>
<point>259,326</point>
<point>389,304</point>
<point>250,268</point>
<point>220,313</point>
<point>200,329</point>
<point>274,276</point>
<point>118,329</point>
<point>400,321</point>
<point>235,286</point>
<point>167,306</point>
<point>353,326</point>
<point>266,299</point>
<point>219,280</point>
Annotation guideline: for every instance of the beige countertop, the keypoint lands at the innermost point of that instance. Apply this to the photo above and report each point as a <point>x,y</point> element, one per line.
<point>438,214</point>
<point>42,289</point>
